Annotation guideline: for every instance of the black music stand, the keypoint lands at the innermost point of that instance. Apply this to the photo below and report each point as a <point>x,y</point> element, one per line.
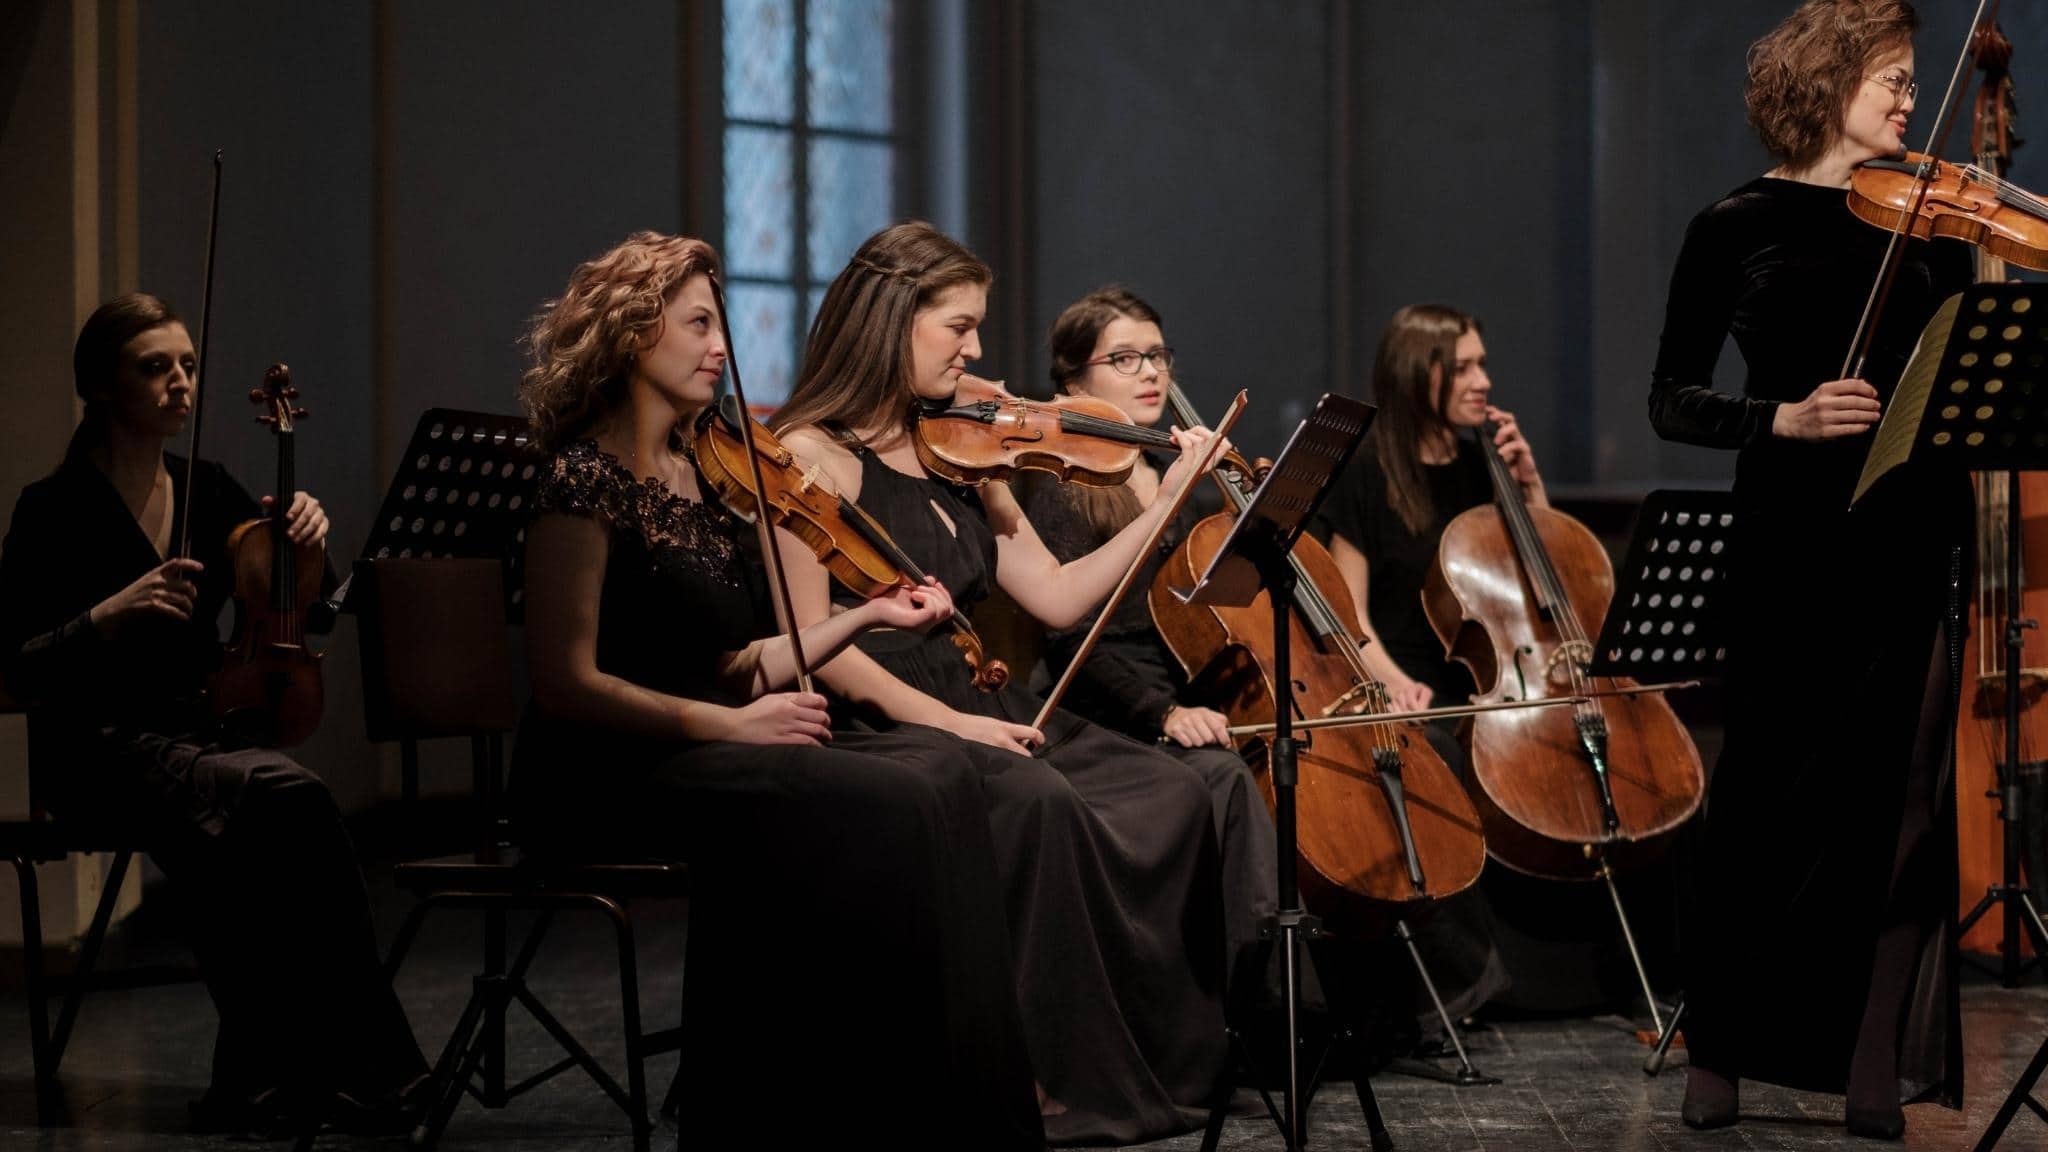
<point>1967,402</point>
<point>1257,556</point>
<point>462,489</point>
<point>1667,622</point>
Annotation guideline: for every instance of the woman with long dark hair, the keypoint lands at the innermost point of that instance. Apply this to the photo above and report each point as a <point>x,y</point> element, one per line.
<point>1106,847</point>
<point>107,635</point>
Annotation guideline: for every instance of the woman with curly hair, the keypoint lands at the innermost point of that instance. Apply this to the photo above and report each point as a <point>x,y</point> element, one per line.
<point>1819,951</point>
<point>845,923</point>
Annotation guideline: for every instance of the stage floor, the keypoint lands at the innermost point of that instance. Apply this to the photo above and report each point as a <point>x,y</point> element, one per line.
<point>139,1056</point>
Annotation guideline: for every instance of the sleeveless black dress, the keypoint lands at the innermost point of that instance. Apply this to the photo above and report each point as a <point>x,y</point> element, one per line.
<point>1107,855</point>
<point>846,941</point>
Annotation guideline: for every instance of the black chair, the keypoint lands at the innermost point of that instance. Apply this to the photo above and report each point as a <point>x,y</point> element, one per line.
<point>42,839</point>
<point>433,637</point>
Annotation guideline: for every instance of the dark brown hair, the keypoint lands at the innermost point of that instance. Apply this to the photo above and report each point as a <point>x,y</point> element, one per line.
<point>857,362</point>
<point>1072,344</point>
<point>96,357</point>
<point>582,343</point>
<point>1418,349</point>
<point>1804,72</point>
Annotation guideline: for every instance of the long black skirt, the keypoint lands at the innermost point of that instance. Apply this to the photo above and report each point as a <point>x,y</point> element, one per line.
<point>847,947</point>
<point>1109,861</point>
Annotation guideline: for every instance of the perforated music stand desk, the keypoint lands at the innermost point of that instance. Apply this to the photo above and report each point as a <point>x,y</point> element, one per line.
<point>1666,621</point>
<point>462,489</point>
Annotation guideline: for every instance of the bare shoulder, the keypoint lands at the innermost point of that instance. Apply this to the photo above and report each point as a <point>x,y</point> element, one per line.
<point>814,447</point>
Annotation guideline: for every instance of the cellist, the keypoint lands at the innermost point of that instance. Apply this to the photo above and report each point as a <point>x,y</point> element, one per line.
<point>1820,953</point>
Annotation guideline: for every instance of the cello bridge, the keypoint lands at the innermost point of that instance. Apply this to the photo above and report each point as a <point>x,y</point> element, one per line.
<point>1569,658</point>
<point>1362,696</point>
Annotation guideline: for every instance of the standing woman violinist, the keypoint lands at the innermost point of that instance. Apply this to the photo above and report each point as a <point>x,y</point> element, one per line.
<point>1109,345</point>
<point>1106,847</point>
<point>1820,952</point>
<point>107,636</point>
<point>845,923</point>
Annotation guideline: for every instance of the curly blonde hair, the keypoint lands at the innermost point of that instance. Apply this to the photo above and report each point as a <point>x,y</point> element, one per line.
<point>582,344</point>
<point>1804,72</point>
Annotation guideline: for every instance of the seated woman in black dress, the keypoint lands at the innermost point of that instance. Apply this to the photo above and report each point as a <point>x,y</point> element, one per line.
<point>108,637</point>
<point>1821,951</point>
<point>846,935</point>
<point>1109,345</point>
<point>1106,846</point>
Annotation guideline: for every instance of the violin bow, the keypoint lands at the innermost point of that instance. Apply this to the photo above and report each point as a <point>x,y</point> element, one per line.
<point>199,386</point>
<point>1937,138</point>
<point>1180,498</point>
<point>785,615</point>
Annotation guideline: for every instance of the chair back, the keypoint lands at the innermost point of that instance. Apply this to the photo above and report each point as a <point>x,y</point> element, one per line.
<point>433,636</point>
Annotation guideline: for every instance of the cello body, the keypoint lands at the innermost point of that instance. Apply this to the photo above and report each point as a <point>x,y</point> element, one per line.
<point>1351,845</point>
<point>1533,775</point>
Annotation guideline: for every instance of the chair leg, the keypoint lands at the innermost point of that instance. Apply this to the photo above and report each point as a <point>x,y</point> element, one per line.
<point>38,994</point>
<point>629,1003</point>
<point>88,956</point>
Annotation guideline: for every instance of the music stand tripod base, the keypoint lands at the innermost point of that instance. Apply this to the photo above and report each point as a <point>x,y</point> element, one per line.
<point>1257,555</point>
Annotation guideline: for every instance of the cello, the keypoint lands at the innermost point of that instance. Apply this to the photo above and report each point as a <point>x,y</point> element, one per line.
<point>1517,594</point>
<point>1381,818</point>
<point>1980,732</point>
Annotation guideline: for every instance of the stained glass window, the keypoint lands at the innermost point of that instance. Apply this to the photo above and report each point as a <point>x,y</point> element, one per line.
<point>809,156</point>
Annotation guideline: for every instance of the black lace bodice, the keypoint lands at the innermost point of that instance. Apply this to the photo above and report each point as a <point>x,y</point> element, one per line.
<point>679,586</point>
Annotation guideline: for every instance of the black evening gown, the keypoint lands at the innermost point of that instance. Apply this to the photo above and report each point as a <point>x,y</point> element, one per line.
<point>1108,858</point>
<point>121,740</point>
<point>1825,880</point>
<point>1130,680</point>
<point>847,966</point>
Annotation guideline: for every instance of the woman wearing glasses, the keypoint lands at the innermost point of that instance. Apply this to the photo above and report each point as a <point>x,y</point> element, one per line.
<point>1106,849</point>
<point>1819,953</point>
<point>1109,345</point>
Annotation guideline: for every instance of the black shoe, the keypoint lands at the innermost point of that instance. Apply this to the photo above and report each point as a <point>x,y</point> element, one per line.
<point>1711,1100</point>
<point>1875,1123</point>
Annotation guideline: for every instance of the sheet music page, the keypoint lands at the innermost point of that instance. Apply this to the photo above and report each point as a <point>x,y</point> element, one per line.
<point>1900,427</point>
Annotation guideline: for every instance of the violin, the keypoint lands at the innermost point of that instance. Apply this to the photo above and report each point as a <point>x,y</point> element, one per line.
<point>269,685</point>
<point>845,539</point>
<point>985,434</point>
<point>1517,594</point>
<point>1968,202</point>
<point>1381,818</point>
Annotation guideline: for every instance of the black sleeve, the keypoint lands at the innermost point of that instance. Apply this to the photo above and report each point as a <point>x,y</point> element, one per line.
<point>47,638</point>
<point>1055,513</point>
<point>1705,286</point>
<point>1355,507</point>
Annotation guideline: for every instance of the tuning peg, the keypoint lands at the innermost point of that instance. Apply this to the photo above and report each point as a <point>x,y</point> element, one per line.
<point>291,392</point>
<point>257,396</point>
<point>300,413</point>
<point>265,418</point>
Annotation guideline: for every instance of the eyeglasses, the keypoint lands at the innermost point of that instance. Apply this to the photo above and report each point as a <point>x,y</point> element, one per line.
<point>1126,362</point>
<point>1903,87</point>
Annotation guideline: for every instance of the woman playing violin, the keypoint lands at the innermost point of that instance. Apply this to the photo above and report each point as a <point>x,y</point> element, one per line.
<point>1106,847</point>
<point>661,725</point>
<point>1820,953</point>
<point>107,636</point>
<point>1108,344</point>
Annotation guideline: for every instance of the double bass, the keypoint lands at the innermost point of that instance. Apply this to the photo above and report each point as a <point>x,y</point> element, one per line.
<point>1980,731</point>
<point>1382,819</point>
<point>1518,595</point>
